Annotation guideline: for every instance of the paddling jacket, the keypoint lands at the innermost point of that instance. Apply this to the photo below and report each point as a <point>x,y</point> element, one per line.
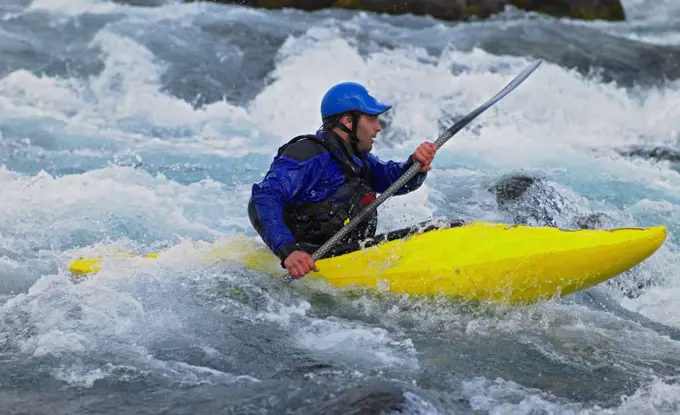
<point>315,184</point>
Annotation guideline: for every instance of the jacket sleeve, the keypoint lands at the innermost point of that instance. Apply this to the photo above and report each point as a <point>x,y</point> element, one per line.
<point>385,173</point>
<point>284,181</point>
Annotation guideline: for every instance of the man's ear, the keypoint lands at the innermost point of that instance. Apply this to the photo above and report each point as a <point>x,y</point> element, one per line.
<point>346,120</point>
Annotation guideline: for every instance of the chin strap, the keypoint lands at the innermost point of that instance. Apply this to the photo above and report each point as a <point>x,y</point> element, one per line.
<point>353,139</point>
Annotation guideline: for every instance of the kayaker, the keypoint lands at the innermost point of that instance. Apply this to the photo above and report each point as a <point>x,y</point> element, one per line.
<point>317,183</point>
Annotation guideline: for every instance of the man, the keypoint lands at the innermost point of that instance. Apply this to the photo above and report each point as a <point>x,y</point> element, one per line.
<point>317,183</point>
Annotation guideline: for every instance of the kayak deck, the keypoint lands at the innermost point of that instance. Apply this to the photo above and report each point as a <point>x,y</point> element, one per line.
<point>474,261</point>
<point>497,262</point>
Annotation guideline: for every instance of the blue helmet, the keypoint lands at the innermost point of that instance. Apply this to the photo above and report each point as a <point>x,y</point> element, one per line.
<point>350,96</point>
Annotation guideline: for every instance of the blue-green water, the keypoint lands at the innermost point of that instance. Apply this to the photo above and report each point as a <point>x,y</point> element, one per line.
<point>144,127</point>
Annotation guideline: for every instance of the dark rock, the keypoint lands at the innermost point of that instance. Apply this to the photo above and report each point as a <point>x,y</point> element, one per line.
<point>454,9</point>
<point>376,398</point>
<point>531,200</point>
<point>142,3</point>
<point>653,152</point>
<point>578,9</point>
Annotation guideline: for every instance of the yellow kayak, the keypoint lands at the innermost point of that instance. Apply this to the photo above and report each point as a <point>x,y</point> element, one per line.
<point>475,261</point>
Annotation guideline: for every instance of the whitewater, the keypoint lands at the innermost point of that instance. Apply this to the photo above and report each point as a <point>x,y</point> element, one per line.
<point>143,127</point>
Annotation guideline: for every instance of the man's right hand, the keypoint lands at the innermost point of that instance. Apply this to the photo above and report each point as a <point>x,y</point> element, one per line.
<point>299,263</point>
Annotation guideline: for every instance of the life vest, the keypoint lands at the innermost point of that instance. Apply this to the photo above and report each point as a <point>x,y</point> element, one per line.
<point>316,222</point>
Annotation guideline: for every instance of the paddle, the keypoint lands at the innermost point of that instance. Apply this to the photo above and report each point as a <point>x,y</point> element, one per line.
<point>323,249</point>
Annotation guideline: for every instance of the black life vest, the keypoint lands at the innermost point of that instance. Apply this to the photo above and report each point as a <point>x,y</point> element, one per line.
<point>316,222</point>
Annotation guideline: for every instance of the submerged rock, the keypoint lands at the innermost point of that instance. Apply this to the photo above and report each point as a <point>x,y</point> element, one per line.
<point>454,9</point>
<point>531,200</point>
<point>376,398</point>
<point>652,152</point>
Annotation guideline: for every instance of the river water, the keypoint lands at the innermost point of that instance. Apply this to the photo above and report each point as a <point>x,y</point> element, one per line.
<point>134,127</point>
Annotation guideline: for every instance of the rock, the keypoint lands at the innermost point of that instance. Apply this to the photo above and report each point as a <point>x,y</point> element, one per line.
<point>531,200</point>
<point>379,397</point>
<point>578,9</point>
<point>454,9</point>
<point>654,152</point>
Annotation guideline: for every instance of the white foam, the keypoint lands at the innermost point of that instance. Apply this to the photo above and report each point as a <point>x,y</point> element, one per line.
<point>505,397</point>
<point>75,7</point>
<point>353,342</point>
<point>109,315</point>
<point>404,210</point>
<point>25,94</point>
<point>123,102</point>
<point>200,375</point>
<point>81,376</point>
<point>45,210</point>
<point>646,11</point>
<point>657,397</point>
<point>62,10</point>
<point>659,303</point>
<point>539,123</point>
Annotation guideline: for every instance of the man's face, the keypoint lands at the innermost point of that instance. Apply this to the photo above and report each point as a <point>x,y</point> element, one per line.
<point>369,126</point>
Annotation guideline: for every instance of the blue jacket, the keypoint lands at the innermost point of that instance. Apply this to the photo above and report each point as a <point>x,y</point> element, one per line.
<point>298,176</point>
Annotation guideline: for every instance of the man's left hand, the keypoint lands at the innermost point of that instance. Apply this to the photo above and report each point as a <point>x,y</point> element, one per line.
<point>424,155</point>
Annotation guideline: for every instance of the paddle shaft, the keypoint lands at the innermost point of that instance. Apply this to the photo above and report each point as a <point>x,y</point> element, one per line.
<point>413,170</point>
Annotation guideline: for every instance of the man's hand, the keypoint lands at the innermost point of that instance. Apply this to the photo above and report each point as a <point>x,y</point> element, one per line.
<point>299,263</point>
<point>424,155</point>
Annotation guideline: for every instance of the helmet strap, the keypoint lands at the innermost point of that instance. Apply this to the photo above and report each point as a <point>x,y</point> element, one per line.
<point>353,138</point>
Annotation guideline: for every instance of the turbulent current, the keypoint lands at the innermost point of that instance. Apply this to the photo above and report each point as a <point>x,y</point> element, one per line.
<point>141,127</point>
